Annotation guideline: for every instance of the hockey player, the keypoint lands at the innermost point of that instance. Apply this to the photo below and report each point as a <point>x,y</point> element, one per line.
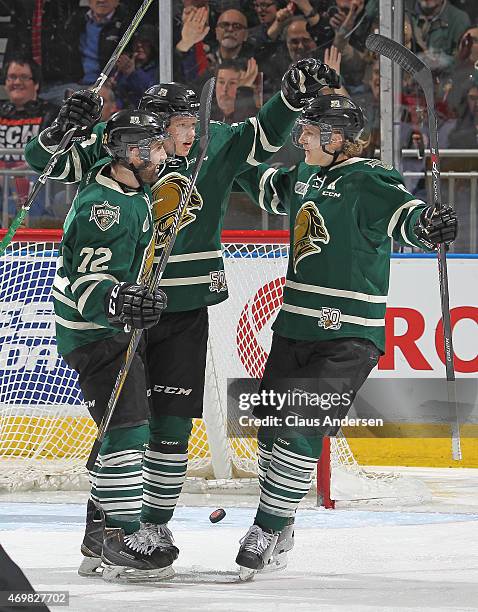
<point>194,278</point>
<point>100,286</point>
<point>329,333</point>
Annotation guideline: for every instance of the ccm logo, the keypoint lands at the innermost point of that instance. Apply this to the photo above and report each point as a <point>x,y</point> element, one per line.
<point>173,390</point>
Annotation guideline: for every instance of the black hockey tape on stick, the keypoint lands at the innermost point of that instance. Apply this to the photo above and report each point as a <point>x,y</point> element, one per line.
<point>65,141</point>
<point>407,60</point>
<point>204,115</point>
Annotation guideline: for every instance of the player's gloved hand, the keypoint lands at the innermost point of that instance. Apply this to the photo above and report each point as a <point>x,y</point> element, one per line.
<point>434,228</point>
<point>305,78</point>
<point>82,110</point>
<point>134,305</point>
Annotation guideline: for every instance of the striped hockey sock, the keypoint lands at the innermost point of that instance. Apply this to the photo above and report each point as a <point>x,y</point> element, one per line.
<point>117,479</point>
<point>265,442</point>
<point>288,479</point>
<point>164,468</point>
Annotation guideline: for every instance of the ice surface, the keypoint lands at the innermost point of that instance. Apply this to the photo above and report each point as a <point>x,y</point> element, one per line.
<point>351,560</point>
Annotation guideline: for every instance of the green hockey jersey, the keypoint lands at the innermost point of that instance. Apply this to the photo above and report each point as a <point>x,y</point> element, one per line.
<point>194,276</point>
<point>342,222</point>
<point>107,239</point>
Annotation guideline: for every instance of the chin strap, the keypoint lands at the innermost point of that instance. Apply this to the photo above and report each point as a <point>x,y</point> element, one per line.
<point>335,155</point>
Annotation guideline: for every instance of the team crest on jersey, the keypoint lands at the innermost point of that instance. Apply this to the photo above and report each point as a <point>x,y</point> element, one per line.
<point>105,215</point>
<point>218,281</point>
<point>330,318</point>
<point>167,195</point>
<point>309,230</point>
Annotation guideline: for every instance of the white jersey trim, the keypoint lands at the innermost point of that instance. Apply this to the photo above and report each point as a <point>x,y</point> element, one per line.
<point>190,280</point>
<point>77,324</point>
<point>402,229</point>
<point>341,293</point>
<point>289,106</point>
<point>396,215</point>
<point>193,256</point>
<point>92,277</point>
<point>311,312</point>
<point>85,295</point>
<point>62,298</point>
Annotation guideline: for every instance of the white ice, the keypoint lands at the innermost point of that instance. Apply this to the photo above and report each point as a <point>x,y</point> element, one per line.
<point>352,560</point>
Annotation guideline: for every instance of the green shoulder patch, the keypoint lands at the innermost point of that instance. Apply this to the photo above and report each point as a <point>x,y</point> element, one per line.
<point>105,215</point>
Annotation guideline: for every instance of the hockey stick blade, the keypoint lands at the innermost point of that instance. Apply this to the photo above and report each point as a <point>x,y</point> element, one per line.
<point>66,140</point>
<point>423,75</point>
<point>205,115</point>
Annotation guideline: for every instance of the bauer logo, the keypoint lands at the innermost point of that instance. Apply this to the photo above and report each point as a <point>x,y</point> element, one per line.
<point>105,215</point>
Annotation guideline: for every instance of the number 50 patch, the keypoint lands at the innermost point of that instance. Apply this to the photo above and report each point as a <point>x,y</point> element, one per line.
<point>330,318</point>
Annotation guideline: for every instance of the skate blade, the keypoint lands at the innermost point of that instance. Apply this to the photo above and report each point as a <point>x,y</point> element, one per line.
<point>129,575</point>
<point>246,574</point>
<point>91,567</point>
<point>275,563</point>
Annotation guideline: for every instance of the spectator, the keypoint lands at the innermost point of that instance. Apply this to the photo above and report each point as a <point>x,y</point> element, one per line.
<point>437,27</point>
<point>234,99</point>
<point>465,134</point>
<point>22,117</point>
<point>25,114</point>
<point>464,72</point>
<point>231,35</point>
<point>352,21</point>
<point>190,60</point>
<point>470,7</point>
<point>138,70</point>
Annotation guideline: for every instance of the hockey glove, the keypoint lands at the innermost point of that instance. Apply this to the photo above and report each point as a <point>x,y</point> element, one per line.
<point>434,228</point>
<point>134,305</point>
<point>305,78</point>
<point>82,110</point>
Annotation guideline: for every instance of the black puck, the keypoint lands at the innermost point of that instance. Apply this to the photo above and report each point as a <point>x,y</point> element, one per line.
<point>217,515</point>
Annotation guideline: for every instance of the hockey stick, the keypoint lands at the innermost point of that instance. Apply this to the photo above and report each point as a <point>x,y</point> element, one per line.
<point>423,75</point>
<point>67,137</point>
<point>204,116</point>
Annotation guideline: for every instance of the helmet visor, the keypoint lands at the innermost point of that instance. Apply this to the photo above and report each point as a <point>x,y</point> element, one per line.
<point>159,149</point>
<point>313,134</point>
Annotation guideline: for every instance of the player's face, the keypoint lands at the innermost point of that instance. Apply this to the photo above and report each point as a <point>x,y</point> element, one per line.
<point>183,131</point>
<point>314,151</point>
<point>149,171</point>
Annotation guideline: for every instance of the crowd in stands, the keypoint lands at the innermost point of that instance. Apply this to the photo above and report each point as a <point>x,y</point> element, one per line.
<point>52,47</point>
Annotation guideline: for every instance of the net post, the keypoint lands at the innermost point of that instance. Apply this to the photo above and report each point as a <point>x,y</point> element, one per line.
<point>323,476</point>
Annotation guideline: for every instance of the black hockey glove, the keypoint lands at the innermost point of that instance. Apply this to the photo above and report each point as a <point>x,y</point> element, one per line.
<point>436,228</point>
<point>82,110</point>
<point>305,78</point>
<point>134,305</point>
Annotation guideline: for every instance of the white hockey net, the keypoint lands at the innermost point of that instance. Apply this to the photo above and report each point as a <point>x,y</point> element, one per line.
<point>46,432</point>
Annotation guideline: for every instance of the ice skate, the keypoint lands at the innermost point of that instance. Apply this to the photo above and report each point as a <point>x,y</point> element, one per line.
<point>92,543</point>
<point>144,556</point>
<point>285,543</point>
<point>256,549</point>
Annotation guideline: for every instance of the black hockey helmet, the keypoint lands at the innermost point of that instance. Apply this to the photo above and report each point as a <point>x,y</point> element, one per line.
<point>333,112</point>
<point>167,99</point>
<point>129,128</point>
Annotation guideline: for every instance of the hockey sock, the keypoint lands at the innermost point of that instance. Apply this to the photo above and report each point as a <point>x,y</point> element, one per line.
<point>118,483</point>
<point>265,442</point>
<point>164,468</point>
<point>288,478</point>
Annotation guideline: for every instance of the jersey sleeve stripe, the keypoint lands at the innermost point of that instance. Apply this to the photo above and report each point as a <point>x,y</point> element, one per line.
<point>64,174</point>
<point>403,228</point>
<point>77,165</point>
<point>250,158</point>
<point>60,283</point>
<point>342,293</point>
<point>262,186</point>
<point>396,215</point>
<point>266,145</point>
<point>76,324</point>
<point>292,108</point>
<point>92,277</point>
<point>62,298</point>
<point>85,295</point>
